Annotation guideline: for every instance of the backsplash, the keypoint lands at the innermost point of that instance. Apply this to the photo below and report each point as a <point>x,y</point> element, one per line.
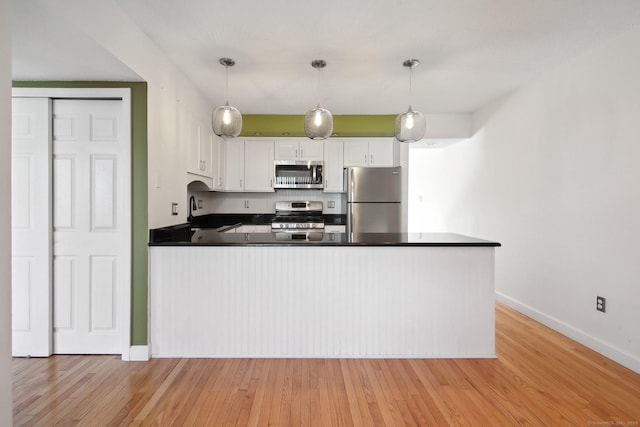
<point>220,202</point>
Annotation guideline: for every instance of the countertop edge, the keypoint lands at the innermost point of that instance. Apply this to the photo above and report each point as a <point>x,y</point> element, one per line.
<point>335,240</point>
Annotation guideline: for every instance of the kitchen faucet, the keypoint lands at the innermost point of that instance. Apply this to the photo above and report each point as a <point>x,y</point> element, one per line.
<point>192,207</point>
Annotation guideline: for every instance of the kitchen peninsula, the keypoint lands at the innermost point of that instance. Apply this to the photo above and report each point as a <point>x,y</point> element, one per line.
<point>394,295</point>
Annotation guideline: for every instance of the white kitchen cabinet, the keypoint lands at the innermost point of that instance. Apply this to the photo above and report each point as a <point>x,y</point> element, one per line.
<point>258,166</point>
<point>294,149</point>
<point>220,163</point>
<point>234,165</point>
<point>247,166</point>
<point>200,145</point>
<point>356,153</point>
<point>333,166</point>
<point>371,153</point>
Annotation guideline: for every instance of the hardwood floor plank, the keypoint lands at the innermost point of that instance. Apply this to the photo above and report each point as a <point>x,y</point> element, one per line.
<point>539,378</point>
<point>160,391</point>
<point>213,373</point>
<point>352,394</point>
<point>259,397</point>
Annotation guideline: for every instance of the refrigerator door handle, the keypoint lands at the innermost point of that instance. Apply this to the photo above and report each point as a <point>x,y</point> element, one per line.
<point>350,218</point>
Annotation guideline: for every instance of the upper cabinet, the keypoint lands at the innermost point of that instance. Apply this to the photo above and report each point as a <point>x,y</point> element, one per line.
<point>333,166</point>
<point>258,165</point>
<point>294,149</point>
<point>375,152</point>
<point>220,163</point>
<point>200,145</point>
<point>234,165</point>
<point>247,165</point>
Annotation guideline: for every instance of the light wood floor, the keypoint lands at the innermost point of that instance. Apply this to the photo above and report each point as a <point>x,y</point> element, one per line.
<point>540,378</point>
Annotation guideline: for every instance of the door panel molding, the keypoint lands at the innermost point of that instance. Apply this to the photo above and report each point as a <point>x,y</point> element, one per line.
<point>31,227</point>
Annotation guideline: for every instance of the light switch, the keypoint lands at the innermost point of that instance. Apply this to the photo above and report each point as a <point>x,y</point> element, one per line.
<point>174,208</point>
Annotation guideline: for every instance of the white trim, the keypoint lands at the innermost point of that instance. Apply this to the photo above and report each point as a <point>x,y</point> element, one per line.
<point>139,353</point>
<point>606,349</point>
<point>124,315</point>
<point>77,93</point>
<point>331,356</point>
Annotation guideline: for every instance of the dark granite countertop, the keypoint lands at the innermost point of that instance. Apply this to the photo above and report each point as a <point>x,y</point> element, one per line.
<point>205,230</point>
<point>186,236</point>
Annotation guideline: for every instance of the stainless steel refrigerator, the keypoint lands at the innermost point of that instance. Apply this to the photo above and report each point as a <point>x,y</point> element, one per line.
<point>373,199</point>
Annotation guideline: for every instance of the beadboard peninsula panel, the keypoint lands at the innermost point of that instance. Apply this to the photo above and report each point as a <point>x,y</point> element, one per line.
<point>270,301</point>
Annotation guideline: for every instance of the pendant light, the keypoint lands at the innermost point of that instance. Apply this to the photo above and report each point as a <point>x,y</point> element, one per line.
<point>318,123</point>
<point>410,125</point>
<point>225,119</point>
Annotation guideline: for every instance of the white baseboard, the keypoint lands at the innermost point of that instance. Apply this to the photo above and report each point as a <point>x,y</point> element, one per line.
<point>139,353</point>
<point>596,344</point>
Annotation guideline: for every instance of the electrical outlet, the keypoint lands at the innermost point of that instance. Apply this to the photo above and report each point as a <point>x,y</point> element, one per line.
<point>601,304</point>
<point>174,208</point>
<point>199,204</point>
<point>331,204</point>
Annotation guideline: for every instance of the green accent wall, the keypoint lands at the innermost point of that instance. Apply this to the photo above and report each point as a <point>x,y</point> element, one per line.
<point>279,125</point>
<point>139,199</point>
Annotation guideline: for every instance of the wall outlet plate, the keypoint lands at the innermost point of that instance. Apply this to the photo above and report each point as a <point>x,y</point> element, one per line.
<point>601,304</point>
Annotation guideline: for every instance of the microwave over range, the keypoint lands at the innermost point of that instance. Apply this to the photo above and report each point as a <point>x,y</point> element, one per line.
<point>298,174</point>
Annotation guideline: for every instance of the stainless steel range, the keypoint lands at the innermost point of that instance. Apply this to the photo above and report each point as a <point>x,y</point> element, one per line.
<point>298,217</point>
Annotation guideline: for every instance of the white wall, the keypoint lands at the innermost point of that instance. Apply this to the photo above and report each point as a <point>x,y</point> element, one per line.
<point>6,382</point>
<point>169,92</point>
<point>552,172</point>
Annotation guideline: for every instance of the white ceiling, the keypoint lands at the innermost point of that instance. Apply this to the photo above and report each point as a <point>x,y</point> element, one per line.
<point>471,51</point>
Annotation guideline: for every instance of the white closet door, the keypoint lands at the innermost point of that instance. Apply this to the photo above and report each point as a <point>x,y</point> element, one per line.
<point>88,218</point>
<point>31,225</point>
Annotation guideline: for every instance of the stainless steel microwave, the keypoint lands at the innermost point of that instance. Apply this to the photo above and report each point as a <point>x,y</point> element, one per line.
<point>298,174</point>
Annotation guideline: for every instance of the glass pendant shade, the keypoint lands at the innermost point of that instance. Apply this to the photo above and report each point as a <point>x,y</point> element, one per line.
<point>318,123</point>
<point>226,121</point>
<point>410,126</point>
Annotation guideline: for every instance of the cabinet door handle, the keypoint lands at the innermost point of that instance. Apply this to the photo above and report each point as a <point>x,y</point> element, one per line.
<point>365,159</point>
<point>241,183</point>
<point>371,158</point>
<point>301,153</point>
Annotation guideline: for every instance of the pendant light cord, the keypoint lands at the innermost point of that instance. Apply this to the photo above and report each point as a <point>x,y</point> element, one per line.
<point>226,95</point>
<point>318,88</point>
<point>410,75</point>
